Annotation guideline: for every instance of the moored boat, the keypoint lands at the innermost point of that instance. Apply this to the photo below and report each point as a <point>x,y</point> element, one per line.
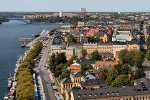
<point>10,81</point>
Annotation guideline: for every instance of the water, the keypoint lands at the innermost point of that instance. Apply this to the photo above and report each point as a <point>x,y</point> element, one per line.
<point>10,49</point>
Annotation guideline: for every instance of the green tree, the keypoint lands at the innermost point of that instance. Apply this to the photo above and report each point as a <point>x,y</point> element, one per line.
<point>60,58</point>
<point>148,41</point>
<point>84,52</point>
<point>65,73</point>
<point>94,39</point>
<point>59,69</point>
<point>25,86</point>
<point>103,73</point>
<point>52,63</point>
<point>122,54</point>
<point>148,54</point>
<point>121,80</point>
<point>70,61</point>
<point>95,55</point>
<point>122,69</point>
<point>133,57</point>
<point>71,39</point>
<point>85,67</point>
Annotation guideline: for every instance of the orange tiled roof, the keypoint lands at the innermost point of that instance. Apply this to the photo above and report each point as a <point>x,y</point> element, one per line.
<point>105,63</point>
<point>74,67</point>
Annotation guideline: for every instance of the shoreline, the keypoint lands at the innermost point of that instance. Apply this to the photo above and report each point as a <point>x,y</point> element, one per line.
<point>18,63</point>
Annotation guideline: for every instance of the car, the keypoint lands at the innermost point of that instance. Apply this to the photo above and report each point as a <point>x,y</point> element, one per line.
<point>52,84</point>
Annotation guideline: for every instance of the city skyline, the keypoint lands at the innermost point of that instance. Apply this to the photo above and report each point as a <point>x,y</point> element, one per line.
<point>74,6</point>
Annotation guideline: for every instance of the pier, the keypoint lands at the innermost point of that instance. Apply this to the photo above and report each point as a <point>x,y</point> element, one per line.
<point>25,39</point>
<point>28,42</point>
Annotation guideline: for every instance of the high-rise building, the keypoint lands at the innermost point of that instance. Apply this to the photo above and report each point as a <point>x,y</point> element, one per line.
<point>83,10</point>
<point>82,13</point>
<point>60,14</point>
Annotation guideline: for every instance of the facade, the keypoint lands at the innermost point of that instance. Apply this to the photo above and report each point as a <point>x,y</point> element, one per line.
<point>117,47</point>
<point>65,28</point>
<point>101,47</point>
<point>104,37</point>
<point>79,79</point>
<point>69,51</point>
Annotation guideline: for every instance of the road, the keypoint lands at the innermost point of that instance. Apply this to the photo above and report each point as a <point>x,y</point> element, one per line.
<point>46,81</point>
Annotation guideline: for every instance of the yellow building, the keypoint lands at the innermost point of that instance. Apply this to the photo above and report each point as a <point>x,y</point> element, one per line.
<point>101,47</point>
<point>79,79</point>
<point>113,48</point>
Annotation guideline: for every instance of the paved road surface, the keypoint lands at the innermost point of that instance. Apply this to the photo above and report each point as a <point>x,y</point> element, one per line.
<point>45,74</point>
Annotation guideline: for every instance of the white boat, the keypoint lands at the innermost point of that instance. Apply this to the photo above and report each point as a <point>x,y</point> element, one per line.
<point>9,82</point>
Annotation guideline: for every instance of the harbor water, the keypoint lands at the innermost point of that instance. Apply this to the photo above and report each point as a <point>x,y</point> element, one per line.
<point>10,49</point>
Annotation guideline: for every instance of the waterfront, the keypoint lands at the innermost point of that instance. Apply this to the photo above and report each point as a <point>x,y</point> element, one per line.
<point>10,49</point>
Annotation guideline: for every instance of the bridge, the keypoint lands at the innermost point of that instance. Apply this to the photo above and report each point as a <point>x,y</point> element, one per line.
<point>27,21</point>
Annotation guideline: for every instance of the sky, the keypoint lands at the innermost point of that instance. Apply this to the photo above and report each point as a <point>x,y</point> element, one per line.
<point>75,5</point>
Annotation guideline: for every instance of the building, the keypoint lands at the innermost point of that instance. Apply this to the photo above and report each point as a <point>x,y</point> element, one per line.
<point>75,67</point>
<point>105,64</point>
<point>122,36</point>
<point>65,28</point>
<point>79,24</point>
<point>140,91</point>
<point>79,80</point>
<point>101,47</point>
<point>104,36</point>
<point>60,14</point>
<point>92,32</point>
<point>118,46</point>
<point>69,51</point>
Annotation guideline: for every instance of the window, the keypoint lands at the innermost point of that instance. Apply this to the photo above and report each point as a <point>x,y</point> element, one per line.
<point>90,95</point>
<point>108,93</point>
<point>79,96</point>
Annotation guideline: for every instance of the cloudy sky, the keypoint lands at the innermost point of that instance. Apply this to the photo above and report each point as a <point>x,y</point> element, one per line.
<point>75,5</point>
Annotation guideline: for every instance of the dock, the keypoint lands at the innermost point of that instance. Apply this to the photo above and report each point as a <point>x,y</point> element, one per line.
<point>28,42</point>
<point>25,39</point>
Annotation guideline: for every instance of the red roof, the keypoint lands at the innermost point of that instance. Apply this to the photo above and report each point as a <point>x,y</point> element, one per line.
<point>106,63</point>
<point>75,67</point>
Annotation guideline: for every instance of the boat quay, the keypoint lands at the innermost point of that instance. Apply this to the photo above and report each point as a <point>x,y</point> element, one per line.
<point>38,77</point>
<point>28,42</point>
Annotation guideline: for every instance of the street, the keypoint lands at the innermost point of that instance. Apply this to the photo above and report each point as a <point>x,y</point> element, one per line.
<point>44,74</point>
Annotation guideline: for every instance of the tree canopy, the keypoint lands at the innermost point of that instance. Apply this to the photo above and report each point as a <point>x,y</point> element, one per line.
<point>85,67</point>
<point>25,86</point>
<point>133,57</point>
<point>58,64</point>
<point>95,55</point>
<point>84,52</point>
<point>121,80</point>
